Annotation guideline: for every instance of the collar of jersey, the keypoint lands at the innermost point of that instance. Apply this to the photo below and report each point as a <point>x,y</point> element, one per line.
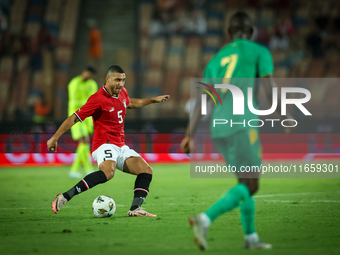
<point>238,39</point>
<point>110,94</point>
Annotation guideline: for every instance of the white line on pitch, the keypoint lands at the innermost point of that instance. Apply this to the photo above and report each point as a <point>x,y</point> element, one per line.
<point>296,194</point>
<point>294,201</point>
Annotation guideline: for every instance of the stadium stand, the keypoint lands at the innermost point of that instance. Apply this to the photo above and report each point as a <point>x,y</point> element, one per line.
<point>35,55</point>
<point>303,43</point>
<point>6,74</point>
<point>177,39</point>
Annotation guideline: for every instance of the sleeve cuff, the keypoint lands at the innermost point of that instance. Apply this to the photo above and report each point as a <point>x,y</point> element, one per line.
<point>78,117</point>
<point>269,73</point>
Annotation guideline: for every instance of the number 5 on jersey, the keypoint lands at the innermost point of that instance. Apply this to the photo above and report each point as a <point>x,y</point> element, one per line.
<point>120,117</point>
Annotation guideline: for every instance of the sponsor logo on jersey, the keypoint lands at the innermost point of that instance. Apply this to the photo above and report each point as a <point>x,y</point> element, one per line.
<point>124,102</point>
<point>112,109</point>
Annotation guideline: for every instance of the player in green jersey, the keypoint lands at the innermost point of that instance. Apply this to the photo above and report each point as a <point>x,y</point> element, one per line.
<point>80,89</point>
<point>238,144</point>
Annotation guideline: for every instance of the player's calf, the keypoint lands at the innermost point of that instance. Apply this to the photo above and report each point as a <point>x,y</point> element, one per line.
<point>88,182</point>
<point>141,190</point>
<point>138,166</point>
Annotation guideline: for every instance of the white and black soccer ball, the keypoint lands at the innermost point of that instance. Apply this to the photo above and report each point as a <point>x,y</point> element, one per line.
<point>103,206</point>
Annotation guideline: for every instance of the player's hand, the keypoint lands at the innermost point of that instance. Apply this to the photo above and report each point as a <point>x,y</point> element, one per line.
<point>187,144</point>
<point>161,99</point>
<point>52,145</point>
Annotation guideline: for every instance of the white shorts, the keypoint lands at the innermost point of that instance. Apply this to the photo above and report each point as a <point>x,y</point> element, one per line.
<point>113,152</point>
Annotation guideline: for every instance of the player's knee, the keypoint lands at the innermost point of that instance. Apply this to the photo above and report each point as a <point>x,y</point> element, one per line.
<point>109,174</point>
<point>148,170</point>
<point>252,184</point>
<point>253,187</point>
<point>108,169</point>
<point>81,140</point>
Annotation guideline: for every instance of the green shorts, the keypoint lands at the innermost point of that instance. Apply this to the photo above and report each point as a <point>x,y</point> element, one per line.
<point>82,129</point>
<point>241,150</point>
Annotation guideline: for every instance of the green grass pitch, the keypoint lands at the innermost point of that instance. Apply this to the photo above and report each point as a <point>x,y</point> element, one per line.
<point>298,216</point>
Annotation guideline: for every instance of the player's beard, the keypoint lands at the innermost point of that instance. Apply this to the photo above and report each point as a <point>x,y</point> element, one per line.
<point>118,90</point>
<point>115,91</point>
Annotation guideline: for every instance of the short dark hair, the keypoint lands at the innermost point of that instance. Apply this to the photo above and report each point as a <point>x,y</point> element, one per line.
<point>115,69</point>
<point>91,69</point>
<point>241,22</point>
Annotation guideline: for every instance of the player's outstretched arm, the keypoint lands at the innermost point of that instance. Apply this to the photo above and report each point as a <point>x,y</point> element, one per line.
<point>66,125</point>
<point>138,103</point>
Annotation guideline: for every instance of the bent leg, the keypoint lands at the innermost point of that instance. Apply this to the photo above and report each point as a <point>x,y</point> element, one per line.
<point>136,166</point>
<point>105,173</point>
<point>238,151</point>
<point>228,202</point>
<point>139,167</point>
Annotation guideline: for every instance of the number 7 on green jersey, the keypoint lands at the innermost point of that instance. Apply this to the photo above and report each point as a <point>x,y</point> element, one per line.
<point>231,62</point>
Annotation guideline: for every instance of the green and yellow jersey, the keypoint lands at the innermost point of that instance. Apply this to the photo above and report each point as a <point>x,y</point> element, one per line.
<point>237,63</point>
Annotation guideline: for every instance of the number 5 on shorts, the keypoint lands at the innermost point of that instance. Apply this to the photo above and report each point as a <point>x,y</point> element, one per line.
<point>108,154</point>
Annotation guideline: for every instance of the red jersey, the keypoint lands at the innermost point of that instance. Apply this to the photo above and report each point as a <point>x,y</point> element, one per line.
<point>108,113</point>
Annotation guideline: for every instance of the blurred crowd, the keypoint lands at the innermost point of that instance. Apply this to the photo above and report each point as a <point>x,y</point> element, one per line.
<point>36,40</point>
<point>303,36</point>
<point>177,39</point>
<point>279,24</point>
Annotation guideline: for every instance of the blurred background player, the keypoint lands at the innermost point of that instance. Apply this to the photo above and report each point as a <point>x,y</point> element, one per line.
<point>239,145</point>
<point>80,89</point>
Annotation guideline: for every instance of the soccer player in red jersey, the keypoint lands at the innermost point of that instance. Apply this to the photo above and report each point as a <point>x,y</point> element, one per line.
<point>108,109</point>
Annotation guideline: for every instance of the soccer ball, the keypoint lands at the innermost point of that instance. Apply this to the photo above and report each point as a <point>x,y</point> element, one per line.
<point>103,206</point>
